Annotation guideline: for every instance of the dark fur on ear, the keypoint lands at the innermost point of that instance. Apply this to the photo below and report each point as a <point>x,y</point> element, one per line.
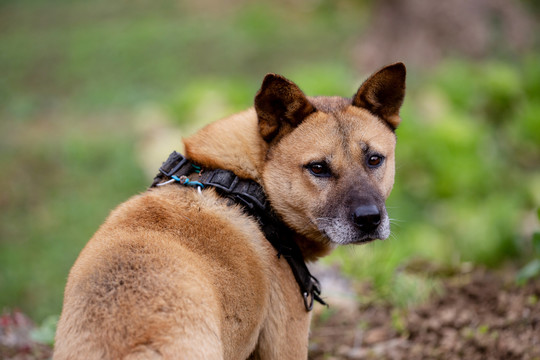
<point>280,106</point>
<point>383,93</point>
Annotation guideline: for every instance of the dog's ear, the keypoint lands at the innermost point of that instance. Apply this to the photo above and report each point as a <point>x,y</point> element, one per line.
<point>280,106</point>
<point>383,93</point>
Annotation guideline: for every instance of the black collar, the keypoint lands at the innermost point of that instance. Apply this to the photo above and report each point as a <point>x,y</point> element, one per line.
<point>251,196</point>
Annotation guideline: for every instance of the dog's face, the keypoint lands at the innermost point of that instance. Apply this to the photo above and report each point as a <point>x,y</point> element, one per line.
<point>330,163</point>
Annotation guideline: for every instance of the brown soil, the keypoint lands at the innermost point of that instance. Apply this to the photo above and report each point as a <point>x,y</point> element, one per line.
<point>480,315</point>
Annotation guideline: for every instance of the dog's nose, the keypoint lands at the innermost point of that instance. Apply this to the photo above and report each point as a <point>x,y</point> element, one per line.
<point>367,217</point>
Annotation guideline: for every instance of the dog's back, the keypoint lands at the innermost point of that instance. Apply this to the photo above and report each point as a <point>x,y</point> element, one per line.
<point>157,281</point>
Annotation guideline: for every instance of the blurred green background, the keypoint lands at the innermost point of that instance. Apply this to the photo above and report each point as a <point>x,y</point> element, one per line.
<point>95,94</point>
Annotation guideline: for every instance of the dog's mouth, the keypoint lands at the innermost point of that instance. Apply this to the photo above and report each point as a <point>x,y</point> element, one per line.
<point>341,232</point>
<point>364,240</point>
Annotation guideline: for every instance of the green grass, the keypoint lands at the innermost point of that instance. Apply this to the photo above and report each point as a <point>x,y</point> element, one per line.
<point>62,183</point>
<point>77,73</point>
<point>107,54</point>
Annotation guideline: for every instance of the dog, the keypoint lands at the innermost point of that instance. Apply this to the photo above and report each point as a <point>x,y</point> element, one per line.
<point>191,269</point>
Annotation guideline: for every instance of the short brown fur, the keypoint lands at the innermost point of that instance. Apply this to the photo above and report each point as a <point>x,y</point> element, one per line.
<point>173,274</point>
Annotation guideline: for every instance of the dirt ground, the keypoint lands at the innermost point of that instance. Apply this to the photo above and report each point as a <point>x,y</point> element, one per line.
<point>477,315</point>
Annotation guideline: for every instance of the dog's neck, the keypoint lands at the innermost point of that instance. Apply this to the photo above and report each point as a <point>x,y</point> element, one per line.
<point>232,143</point>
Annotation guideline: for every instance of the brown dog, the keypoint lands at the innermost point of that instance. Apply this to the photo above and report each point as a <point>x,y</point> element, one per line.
<point>177,273</point>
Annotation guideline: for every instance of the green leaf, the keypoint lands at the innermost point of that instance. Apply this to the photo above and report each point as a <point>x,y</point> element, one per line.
<point>536,243</point>
<point>45,333</point>
<point>528,272</point>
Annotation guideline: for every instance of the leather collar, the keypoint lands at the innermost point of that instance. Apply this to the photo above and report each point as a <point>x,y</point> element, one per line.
<point>250,195</point>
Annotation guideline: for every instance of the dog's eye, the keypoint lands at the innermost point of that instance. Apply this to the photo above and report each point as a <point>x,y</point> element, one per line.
<point>319,169</point>
<point>374,161</point>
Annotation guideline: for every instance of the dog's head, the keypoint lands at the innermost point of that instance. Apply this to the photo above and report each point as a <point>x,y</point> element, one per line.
<point>330,160</point>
